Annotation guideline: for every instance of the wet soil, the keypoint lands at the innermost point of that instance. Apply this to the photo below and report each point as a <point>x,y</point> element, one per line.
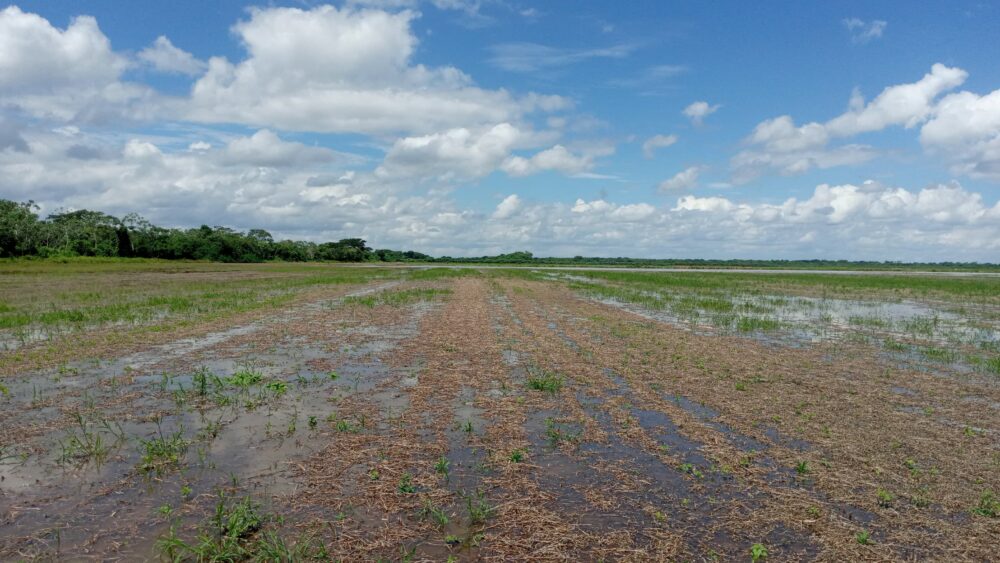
<point>501,419</point>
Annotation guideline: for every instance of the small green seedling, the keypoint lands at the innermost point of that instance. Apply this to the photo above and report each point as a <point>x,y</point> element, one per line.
<point>406,484</point>
<point>442,465</point>
<point>884,497</point>
<point>989,505</point>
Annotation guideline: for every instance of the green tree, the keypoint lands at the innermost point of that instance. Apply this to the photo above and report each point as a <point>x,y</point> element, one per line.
<point>83,233</point>
<point>20,229</point>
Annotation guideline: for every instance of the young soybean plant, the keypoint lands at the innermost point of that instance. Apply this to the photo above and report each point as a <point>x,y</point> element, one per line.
<point>442,466</point>
<point>479,509</point>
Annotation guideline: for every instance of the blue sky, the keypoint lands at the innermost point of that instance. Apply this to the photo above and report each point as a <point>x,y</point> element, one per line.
<point>727,129</point>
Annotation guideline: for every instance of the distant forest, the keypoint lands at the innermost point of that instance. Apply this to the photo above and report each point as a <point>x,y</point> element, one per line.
<point>93,233</point>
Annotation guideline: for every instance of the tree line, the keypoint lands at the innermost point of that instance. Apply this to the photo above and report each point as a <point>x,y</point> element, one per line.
<point>93,233</point>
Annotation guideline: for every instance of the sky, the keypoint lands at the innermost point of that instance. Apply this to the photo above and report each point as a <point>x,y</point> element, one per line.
<point>779,130</point>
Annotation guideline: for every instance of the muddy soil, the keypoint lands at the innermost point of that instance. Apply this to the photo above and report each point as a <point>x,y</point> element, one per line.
<point>500,418</point>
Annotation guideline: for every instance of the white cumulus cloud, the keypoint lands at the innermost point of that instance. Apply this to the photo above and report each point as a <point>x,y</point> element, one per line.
<point>683,180</point>
<point>698,111</point>
<point>344,70</point>
<point>456,154</point>
<point>163,56</point>
<point>557,158</point>
<point>509,206</point>
<point>779,145</point>
<point>965,129</point>
<point>64,74</point>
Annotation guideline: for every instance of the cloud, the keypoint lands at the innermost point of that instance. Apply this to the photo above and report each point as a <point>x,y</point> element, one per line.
<point>351,70</point>
<point>321,200</point>
<point>470,7</point>
<point>904,104</point>
<point>965,129</point>
<point>330,70</point>
<point>651,80</point>
<point>557,158</point>
<point>683,180</point>
<point>779,145</point>
<point>64,74</point>
<point>264,148</point>
<point>533,57</point>
<point>382,4</point>
<point>862,31</point>
<point>464,154</point>
<point>83,152</point>
<point>530,14</point>
<point>657,142</point>
<point>508,207</point>
<point>453,155</point>
<point>325,180</point>
<point>698,111</point>
<point>324,70</point>
<point>163,56</point>
<point>600,209</point>
<point>874,221</point>
<point>39,58</point>
<point>781,135</point>
<point>10,136</point>
<point>633,213</point>
<point>748,165</point>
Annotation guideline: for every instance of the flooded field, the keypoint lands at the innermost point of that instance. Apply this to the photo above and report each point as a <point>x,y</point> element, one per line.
<point>210,412</point>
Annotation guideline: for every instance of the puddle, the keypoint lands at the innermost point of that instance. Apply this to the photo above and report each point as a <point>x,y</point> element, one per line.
<point>466,459</point>
<point>690,496</point>
<point>247,435</point>
<point>787,441</point>
<point>510,357</point>
<point>660,427</point>
<point>913,331</point>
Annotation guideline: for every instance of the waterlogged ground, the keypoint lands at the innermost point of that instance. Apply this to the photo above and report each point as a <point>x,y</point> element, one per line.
<point>200,412</point>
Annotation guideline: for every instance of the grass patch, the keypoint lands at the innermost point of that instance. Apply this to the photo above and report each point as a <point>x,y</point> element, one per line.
<point>162,452</point>
<point>938,354</point>
<point>989,505</point>
<point>245,378</point>
<point>396,298</point>
<point>757,324</point>
<point>236,533</point>
<point>543,380</point>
